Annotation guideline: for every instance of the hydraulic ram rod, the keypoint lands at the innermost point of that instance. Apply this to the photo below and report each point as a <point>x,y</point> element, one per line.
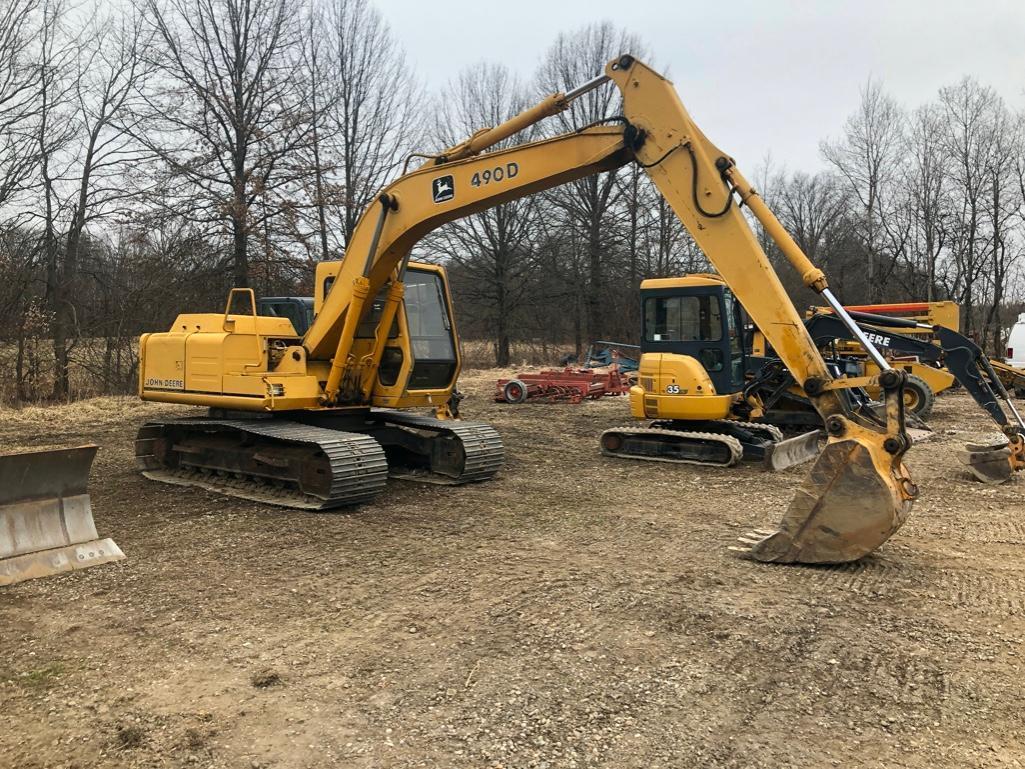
<point>855,329</point>
<point>488,137</point>
<point>812,276</point>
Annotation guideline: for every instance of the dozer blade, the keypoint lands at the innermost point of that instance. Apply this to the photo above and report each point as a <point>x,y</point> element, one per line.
<point>46,519</point>
<point>989,463</point>
<point>848,506</point>
<point>792,451</point>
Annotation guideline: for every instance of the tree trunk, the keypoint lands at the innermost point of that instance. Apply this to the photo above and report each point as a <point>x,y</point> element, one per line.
<point>595,286</point>
<point>240,257</point>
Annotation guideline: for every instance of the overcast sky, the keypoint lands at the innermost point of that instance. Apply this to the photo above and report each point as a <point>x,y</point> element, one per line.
<point>758,77</point>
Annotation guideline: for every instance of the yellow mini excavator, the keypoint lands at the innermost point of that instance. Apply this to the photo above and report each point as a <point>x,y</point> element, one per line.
<point>692,383</point>
<point>318,419</point>
<point>715,393</point>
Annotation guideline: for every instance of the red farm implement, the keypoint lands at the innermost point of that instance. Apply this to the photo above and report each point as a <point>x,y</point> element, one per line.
<point>572,384</point>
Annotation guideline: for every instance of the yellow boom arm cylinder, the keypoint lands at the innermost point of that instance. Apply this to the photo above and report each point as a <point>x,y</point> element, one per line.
<point>360,292</point>
<point>489,137</point>
<point>812,276</point>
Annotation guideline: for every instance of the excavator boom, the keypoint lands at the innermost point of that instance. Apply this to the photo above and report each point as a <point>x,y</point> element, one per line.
<point>859,492</point>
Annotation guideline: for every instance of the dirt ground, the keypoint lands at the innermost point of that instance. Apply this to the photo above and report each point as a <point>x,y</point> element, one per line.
<point>574,612</point>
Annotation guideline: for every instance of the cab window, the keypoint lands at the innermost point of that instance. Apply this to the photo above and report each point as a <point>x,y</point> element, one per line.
<point>682,319</point>
<point>367,328</point>
<point>430,330</point>
<point>735,321</point>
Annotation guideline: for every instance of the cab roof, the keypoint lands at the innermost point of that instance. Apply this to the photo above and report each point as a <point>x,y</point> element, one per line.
<point>685,281</point>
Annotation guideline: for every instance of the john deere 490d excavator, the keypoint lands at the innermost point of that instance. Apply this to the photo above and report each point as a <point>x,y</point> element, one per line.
<point>316,420</point>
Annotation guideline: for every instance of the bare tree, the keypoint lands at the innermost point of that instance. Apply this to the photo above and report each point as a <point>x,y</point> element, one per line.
<point>811,208</point>
<point>19,95</point>
<point>969,138</point>
<point>228,112</point>
<point>371,116</point>
<point>108,73</point>
<point>588,204</point>
<point>868,158</point>
<point>56,128</point>
<point>493,250</point>
<point>1005,204</point>
<point>926,187</point>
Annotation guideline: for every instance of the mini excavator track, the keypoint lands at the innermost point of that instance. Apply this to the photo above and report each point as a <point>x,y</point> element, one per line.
<point>659,444</point>
<point>722,443</point>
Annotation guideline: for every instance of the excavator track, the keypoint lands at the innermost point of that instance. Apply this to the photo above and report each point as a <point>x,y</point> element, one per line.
<point>658,444</point>
<point>273,461</point>
<point>771,432</point>
<point>767,431</point>
<point>470,451</point>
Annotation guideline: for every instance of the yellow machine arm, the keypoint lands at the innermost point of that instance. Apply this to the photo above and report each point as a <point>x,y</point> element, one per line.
<point>858,492</point>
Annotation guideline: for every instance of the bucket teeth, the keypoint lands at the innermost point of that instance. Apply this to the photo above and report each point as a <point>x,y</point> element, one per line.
<point>752,538</point>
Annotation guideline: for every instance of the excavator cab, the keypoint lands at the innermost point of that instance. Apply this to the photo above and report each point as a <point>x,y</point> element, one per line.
<point>696,316</point>
<point>420,358</point>
<point>692,350</point>
<point>298,309</point>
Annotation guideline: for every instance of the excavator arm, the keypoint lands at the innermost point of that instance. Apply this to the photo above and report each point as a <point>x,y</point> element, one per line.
<point>858,493</point>
<point>969,365</point>
<point>424,199</point>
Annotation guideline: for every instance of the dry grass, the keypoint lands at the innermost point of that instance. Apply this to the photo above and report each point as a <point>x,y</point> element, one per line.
<point>86,370</point>
<point>480,353</point>
<point>106,410</point>
<point>64,424</point>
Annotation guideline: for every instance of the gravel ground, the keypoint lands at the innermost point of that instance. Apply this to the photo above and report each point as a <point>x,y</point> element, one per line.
<point>574,612</point>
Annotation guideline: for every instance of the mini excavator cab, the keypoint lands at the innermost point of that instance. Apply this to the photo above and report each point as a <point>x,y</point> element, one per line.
<point>692,351</point>
<point>698,316</point>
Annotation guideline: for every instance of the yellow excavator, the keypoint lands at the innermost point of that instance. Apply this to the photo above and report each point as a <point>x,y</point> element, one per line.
<point>319,418</point>
<point>716,393</point>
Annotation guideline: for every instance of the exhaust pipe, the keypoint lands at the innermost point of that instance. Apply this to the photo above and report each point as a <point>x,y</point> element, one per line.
<point>46,517</point>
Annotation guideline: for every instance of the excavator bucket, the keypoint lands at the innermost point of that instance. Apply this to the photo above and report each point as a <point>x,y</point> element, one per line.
<point>988,462</point>
<point>46,518</point>
<point>855,498</point>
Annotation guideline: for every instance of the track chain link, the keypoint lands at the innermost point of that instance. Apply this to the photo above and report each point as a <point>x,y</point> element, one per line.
<point>736,449</point>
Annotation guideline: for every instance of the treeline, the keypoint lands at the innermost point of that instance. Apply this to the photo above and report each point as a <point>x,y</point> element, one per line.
<point>155,155</point>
